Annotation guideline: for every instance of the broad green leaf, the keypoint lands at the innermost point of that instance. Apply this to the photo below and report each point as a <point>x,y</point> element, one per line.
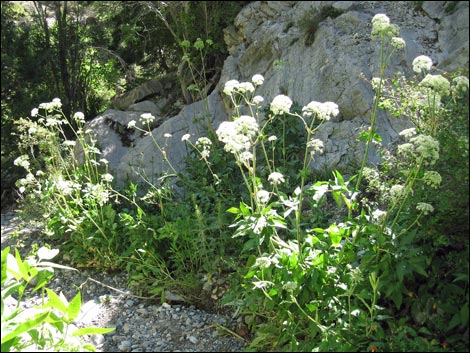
<point>338,177</point>
<point>401,270</point>
<point>397,298</point>
<point>312,307</point>
<point>92,331</point>
<point>335,234</point>
<point>272,292</point>
<point>43,277</point>
<point>25,326</point>
<point>464,314</point>
<point>419,269</point>
<point>56,302</point>
<point>337,197</point>
<point>74,307</point>
<point>245,210</point>
<point>234,210</point>
<point>454,322</point>
<point>22,267</point>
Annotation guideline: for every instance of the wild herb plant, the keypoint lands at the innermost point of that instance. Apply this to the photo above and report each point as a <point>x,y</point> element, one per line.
<point>312,287</point>
<point>48,326</point>
<point>74,198</point>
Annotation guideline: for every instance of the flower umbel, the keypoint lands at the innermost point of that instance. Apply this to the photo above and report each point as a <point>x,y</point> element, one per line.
<point>281,104</point>
<point>276,178</point>
<point>422,64</point>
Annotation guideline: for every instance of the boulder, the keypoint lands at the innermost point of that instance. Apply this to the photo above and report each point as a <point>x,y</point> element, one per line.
<point>308,50</point>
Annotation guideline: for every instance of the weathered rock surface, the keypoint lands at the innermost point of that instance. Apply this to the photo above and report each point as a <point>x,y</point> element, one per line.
<point>308,57</point>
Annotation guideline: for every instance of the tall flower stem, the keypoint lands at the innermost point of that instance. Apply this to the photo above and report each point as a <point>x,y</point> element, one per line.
<point>383,62</point>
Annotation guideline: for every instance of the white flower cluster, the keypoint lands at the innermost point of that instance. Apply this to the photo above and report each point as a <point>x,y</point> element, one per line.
<point>315,145</point>
<point>281,104</point>
<point>107,178</point>
<point>55,104</point>
<point>233,86</point>
<point>79,117</point>
<point>432,179</point>
<point>437,83</point>
<point>381,26</point>
<point>375,83</point>
<point>424,207</point>
<point>97,192</point>
<point>237,134</point>
<point>22,161</point>
<point>396,192</point>
<point>398,43</point>
<point>262,196</point>
<point>421,147</point>
<point>408,133</point>
<point>422,64</point>
<point>323,111</point>
<point>427,148</point>
<point>66,187</point>
<point>276,178</point>
<point>460,84</point>
<point>28,180</point>
<point>146,119</point>
<point>204,145</point>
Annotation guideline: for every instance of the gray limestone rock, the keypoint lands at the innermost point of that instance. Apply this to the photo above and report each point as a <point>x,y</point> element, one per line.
<point>308,50</point>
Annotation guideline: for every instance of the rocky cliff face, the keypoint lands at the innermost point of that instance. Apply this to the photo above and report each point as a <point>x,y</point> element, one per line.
<point>308,51</point>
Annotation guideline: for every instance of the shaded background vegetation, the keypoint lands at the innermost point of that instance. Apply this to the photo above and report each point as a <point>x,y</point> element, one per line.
<point>86,52</point>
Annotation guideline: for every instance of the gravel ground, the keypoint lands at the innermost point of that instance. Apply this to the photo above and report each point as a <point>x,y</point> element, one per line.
<point>141,325</point>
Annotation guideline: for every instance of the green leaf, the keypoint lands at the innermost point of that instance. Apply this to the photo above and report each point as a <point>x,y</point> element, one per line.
<point>464,315</point>
<point>272,292</point>
<point>56,302</point>
<point>43,278</point>
<point>312,307</point>
<point>397,298</point>
<point>401,270</point>
<point>25,326</point>
<point>74,307</point>
<point>419,269</point>
<point>454,322</point>
<point>22,267</point>
<point>335,234</point>
<point>92,331</point>
<point>5,253</point>
<point>337,197</point>
<point>234,210</point>
<point>245,209</point>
